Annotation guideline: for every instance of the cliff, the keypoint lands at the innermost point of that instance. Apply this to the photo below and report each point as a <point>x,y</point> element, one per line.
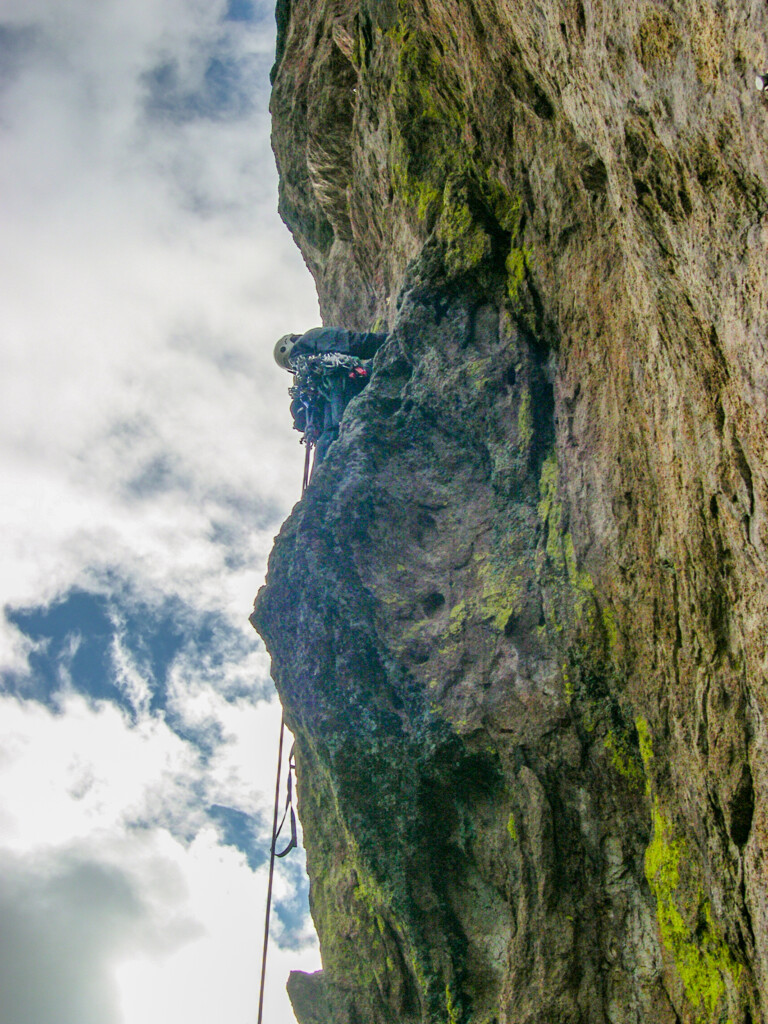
<point>518,621</point>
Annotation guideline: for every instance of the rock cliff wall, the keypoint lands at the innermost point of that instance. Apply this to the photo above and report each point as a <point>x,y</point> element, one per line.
<point>518,621</point>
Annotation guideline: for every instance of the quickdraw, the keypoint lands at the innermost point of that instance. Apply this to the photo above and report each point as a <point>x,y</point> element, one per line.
<point>294,840</point>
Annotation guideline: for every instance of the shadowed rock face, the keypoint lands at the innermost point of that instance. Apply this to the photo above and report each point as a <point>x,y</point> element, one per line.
<point>518,620</point>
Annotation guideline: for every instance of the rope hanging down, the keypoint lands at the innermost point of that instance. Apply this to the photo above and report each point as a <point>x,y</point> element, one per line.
<point>277,829</point>
<point>307,464</point>
<point>292,844</point>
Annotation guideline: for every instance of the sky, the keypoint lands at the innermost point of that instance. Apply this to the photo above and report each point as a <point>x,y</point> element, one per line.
<point>147,462</point>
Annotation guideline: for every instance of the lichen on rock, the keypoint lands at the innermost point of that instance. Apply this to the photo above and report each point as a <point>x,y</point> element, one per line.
<point>518,619</point>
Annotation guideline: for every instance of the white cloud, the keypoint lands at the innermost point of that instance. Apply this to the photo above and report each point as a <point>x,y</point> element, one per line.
<point>62,924</point>
<point>138,328</point>
<point>163,927</point>
<point>144,439</point>
<point>143,929</point>
<point>129,678</point>
<point>215,977</point>
<point>83,771</point>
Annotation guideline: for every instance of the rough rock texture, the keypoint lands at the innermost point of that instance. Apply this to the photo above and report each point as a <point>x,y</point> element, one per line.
<point>518,621</point>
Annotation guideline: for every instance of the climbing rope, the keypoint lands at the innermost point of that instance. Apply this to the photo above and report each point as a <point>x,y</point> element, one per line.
<point>277,829</point>
<point>273,854</point>
<point>271,872</point>
<point>307,464</point>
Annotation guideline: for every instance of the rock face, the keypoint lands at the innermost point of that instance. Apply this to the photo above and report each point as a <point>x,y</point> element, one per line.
<point>518,622</point>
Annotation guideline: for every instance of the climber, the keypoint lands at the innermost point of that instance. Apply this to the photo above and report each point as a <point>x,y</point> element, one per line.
<point>330,366</point>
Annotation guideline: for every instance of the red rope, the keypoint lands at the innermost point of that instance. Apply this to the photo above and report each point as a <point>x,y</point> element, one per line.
<point>271,871</point>
<point>273,845</point>
<point>307,471</point>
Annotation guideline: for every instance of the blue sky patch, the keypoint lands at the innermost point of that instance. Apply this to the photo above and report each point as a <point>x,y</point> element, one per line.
<point>74,649</point>
<point>291,910</point>
<point>73,640</point>
<point>241,830</point>
<point>225,90</point>
<point>251,12</point>
<point>158,475</point>
<point>16,41</point>
<point>241,10</point>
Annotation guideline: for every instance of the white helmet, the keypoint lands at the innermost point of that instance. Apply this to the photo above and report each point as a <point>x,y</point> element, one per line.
<point>283,350</point>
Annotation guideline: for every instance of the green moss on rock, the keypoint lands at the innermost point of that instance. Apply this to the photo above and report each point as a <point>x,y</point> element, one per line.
<point>706,965</point>
<point>457,618</point>
<point>551,510</point>
<point>624,759</point>
<point>466,242</point>
<point>611,629</point>
<point>500,592</point>
<point>658,41</point>
<point>517,265</point>
<point>702,958</point>
<point>525,423</point>
<point>646,745</point>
